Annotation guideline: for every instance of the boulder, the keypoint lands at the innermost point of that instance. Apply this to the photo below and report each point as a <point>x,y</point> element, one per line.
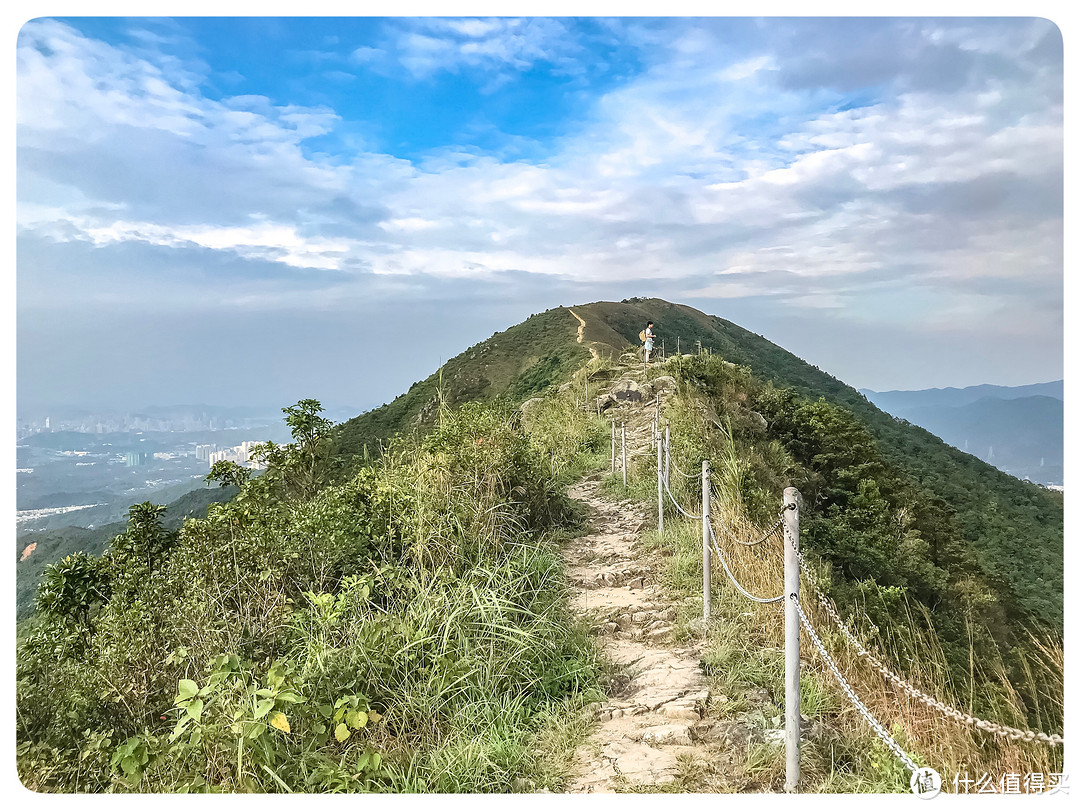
<point>664,383</point>
<point>626,391</point>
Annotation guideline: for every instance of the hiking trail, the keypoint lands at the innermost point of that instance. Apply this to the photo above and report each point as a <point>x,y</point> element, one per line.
<point>655,726</point>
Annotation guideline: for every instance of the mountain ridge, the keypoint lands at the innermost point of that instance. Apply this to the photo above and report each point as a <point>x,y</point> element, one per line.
<point>962,483</point>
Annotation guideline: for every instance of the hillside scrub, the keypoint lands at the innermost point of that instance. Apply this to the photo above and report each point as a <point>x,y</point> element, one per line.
<point>521,362</point>
<point>403,630</point>
<point>884,551</point>
<point>1013,530</point>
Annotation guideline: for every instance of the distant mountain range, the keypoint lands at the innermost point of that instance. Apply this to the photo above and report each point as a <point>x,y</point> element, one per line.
<point>1018,429</point>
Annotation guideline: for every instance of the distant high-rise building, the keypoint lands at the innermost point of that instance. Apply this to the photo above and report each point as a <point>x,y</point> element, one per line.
<point>136,459</point>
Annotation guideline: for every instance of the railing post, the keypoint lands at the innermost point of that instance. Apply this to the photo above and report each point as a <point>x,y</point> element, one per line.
<point>624,454</point>
<point>792,691</point>
<point>667,454</point>
<point>612,446</point>
<point>706,552</point>
<point>660,481</point>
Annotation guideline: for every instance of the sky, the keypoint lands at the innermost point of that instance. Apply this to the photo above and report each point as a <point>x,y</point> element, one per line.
<point>258,210</point>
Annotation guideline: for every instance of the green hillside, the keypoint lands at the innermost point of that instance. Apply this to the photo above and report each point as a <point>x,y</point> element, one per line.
<point>403,625</point>
<point>1015,528</point>
<point>520,362</point>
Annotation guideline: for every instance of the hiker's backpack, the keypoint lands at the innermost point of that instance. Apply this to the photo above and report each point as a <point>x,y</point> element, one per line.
<point>641,335</point>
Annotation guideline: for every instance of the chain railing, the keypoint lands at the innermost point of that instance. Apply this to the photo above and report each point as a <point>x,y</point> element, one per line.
<point>987,726</point>
<point>886,738</point>
<point>674,466</point>
<point>734,581</point>
<point>676,504</point>
<point>773,530</point>
<point>787,520</point>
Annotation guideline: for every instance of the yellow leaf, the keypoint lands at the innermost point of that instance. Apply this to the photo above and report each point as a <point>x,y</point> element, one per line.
<point>373,716</point>
<point>342,733</point>
<point>280,722</point>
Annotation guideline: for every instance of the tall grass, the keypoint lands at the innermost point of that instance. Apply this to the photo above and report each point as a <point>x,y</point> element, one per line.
<point>428,590</point>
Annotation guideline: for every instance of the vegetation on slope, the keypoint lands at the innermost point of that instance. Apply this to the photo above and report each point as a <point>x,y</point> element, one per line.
<point>1013,529</point>
<point>934,619</point>
<point>889,548</point>
<point>518,363</point>
<point>402,626</point>
<point>54,544</point>
<point>404,630</point>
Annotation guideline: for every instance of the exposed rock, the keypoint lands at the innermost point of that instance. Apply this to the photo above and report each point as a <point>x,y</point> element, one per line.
<point>672,734</point>
<point>664,383</point>
<point>681,709</point>
<point>626,391</point>
<point>757,421</point>
<point>520,784</point>
<point>728,733</point>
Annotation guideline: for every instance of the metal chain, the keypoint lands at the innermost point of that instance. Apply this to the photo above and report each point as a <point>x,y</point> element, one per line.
<point>676,503</point>
<point>877,664</point>
<point>886,738</point>
<point>772,531</point>
<point>734,581</point>
<point>776,527</point>
<point>680,472</point>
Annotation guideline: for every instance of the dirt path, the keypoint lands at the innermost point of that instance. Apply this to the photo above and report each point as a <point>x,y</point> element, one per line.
<point>662,692</point>
<point>581,334</point>
<point>653,727</point>
<point>662,729</point>
<point>581,327</point>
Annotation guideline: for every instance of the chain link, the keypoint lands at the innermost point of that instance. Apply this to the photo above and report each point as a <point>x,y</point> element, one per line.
<point>777,526</point>
<point>676,503</point>
<point>735,582</point>
<point>680,472</point>
<point>770,533</point>
<point>886,738</point>
<point>881,668</point>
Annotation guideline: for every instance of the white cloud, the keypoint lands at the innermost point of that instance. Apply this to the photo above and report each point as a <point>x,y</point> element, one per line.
<point>700,173</point>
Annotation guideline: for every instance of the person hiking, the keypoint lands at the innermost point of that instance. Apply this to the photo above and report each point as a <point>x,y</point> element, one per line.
<point>649,335</point>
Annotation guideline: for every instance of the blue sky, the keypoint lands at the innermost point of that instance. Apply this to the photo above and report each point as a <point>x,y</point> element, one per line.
<point>254,210</point>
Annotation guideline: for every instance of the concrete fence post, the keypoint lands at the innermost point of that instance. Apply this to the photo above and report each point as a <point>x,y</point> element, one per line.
<point>660,482</point>
<point>667,454</point>
<point>792,690</point>
<point>624,454</point>
<point>612,446</point>
<point>706,551</point>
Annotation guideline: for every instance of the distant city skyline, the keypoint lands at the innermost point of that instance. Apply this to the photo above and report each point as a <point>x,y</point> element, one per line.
<point>259,210</point>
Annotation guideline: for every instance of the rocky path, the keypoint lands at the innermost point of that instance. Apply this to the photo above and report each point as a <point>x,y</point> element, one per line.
<point>662,728</point>
<point>661,692</point>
